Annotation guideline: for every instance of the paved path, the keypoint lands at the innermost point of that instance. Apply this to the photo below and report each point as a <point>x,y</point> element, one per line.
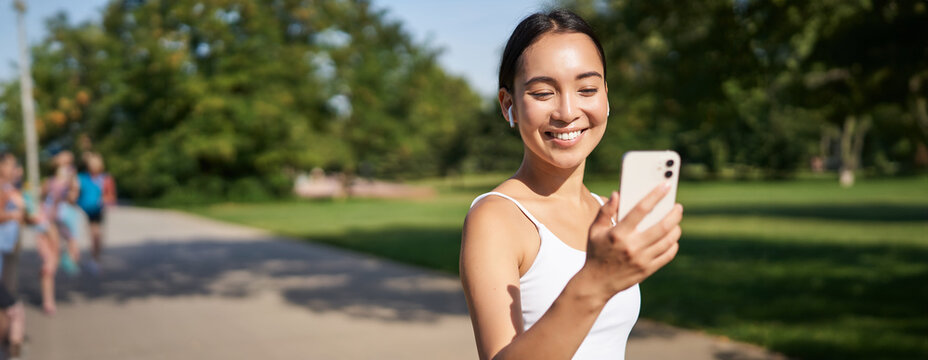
<point>177,286</point>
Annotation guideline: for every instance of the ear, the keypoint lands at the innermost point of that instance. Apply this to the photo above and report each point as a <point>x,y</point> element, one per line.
<point>505,105</point>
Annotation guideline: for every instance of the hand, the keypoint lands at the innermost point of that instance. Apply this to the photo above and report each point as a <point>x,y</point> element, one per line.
<point>620,256</point>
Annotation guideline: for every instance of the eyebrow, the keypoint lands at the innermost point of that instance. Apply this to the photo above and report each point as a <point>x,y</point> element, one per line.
<point>589,74</point>
<point>544,79</point>
<point>548,79</point>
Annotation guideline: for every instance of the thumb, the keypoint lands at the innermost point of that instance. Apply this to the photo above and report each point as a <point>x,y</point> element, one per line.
<point>608,212</point>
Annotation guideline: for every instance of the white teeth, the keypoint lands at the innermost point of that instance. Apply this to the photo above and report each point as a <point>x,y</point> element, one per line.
<point>567,136</point>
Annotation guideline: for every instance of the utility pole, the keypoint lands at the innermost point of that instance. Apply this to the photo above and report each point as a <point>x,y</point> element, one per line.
<point>31,143</point>
<point>25,84</point>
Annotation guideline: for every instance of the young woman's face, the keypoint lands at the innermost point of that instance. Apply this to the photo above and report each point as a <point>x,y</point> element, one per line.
<point>559,97</point>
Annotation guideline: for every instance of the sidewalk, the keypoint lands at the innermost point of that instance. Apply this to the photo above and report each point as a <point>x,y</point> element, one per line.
<point>177,286</point>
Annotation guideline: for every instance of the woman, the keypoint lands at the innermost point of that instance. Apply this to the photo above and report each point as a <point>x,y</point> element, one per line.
<point>547,272</point>
<point>12,316</point>
<point>47,245</point>
<point>60,193</point>
<point>97,191</point>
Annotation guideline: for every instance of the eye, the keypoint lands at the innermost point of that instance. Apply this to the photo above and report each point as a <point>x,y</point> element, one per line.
<point>589,92</point>
<point>542,94</point>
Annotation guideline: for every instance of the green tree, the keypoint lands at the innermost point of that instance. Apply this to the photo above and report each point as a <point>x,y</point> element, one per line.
<point>231,98</point>
<point>758,84</point>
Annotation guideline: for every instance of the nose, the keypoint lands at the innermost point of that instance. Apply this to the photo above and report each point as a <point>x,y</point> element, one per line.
<point>567,110</point>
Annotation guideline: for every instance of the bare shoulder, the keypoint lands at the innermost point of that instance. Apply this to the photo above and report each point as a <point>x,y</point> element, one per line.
<point>495,216</point>
<point>495,228</point>
<point>498,212</point>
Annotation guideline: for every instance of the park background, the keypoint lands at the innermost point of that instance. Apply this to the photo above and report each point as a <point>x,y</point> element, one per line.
<point>218,107</point>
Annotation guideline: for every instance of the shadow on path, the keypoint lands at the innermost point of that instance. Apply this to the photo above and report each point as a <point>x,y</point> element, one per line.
<point>315,277</point>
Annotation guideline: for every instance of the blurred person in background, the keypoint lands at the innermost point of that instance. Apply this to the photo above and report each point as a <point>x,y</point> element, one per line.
<point>47,245</point>
<point>547,271</point>
<point>12,215</point>
<point>12,205</point>
<point>97,191</point>
<point>60,192</point>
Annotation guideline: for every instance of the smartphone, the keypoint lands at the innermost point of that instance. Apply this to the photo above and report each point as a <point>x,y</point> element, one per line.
<point>642,171</point>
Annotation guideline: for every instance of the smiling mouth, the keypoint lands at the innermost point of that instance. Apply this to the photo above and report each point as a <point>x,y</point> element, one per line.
<point>566,136</point>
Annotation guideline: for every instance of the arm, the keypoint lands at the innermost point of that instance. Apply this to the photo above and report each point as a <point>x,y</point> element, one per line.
<point>489,268</point>
<point>14,214</point>
<point>109,191</point>
<point>617,258</point>
<point>74,190</point>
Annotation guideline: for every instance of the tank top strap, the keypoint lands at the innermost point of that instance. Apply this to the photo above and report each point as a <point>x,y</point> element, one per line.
<point>601,203</point>
<point>598,198</point>
<point>524,210</point>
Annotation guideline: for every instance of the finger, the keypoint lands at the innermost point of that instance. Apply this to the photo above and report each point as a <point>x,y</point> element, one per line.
<point>661,246</point>
<point>607,212</point>
<point>666,256</point>
<point>657,231</point>
<point>645,206</point>
<point>615,213</point>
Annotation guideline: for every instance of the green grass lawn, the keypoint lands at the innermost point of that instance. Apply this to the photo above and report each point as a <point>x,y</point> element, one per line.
<point>805,267</point>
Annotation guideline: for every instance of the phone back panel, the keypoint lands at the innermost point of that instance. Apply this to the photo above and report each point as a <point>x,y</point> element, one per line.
<point>642,171</point>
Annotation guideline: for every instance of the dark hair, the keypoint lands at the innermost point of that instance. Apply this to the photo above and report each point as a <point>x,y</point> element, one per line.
<point>530,29</point>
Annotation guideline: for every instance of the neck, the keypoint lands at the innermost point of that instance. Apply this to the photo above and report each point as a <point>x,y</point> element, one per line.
<point>550,181</point>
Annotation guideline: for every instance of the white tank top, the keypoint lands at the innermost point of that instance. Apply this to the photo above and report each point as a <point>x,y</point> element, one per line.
<point>555,264</point>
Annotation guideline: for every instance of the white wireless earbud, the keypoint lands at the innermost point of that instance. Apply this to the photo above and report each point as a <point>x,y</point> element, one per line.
<point>512,122</point>
<point>607,109</point>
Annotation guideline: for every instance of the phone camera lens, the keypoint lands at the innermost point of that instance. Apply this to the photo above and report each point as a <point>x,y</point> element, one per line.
<point>669,163</point>
<point>668,174</point>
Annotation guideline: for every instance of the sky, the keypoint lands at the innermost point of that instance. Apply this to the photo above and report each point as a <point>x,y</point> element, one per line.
<point>472,33</point>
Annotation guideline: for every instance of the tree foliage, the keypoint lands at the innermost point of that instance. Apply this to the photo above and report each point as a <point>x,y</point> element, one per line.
<point>232,97</point>
<point>758,84</point>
